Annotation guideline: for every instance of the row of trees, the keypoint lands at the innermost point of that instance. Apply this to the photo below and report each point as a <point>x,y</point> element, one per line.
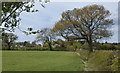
<point>59,44</point>
<point>89,23</point>
<point>10,44</point>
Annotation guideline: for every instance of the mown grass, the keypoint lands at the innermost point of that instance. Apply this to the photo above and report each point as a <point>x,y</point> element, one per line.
<point>41,61</point>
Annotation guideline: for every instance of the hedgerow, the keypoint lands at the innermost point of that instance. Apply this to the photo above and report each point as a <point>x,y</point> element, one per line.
<point>101,60</point>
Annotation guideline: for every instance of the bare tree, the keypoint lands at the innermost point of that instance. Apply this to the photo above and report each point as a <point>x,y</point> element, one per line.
<point>46,36</point>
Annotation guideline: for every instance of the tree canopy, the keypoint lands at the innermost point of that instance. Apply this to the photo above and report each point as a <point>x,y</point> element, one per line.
<point>9,39</point>
<point>89,23</point>
<point>11,11</point>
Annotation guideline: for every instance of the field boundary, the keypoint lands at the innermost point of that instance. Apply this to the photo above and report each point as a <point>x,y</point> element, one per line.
<point>84,62</point>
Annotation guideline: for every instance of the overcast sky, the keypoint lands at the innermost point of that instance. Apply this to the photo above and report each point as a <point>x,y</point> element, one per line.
<point>48,16</point>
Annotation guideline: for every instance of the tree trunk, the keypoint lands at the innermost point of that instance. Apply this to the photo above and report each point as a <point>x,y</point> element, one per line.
<point>50,46</point>
<point>9,46</point>
<point>90,45</point>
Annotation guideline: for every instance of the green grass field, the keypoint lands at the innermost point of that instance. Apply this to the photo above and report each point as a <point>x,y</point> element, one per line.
<point>41,61</point>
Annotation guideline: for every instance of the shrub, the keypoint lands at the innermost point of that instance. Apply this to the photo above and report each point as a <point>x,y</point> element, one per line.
<point>85,46</point>
<point>70,47</point>
<point>77,45</point>
<point>106,46</point>
<point>46,45</point>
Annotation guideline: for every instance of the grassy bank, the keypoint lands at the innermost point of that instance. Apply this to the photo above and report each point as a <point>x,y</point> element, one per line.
<point>41,61</point>
<point>101,60</point>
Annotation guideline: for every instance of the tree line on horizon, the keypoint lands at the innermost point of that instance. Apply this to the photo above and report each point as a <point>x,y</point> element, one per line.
<point>89,24</point>
<point>9,43</point>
